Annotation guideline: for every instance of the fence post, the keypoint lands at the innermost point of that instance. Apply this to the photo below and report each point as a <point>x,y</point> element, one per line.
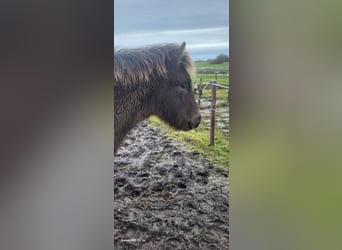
<point>199,92</point>
<point>212,115</point>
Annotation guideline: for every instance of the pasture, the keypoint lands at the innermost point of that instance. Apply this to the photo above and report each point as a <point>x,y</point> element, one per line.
<point>206,71</point>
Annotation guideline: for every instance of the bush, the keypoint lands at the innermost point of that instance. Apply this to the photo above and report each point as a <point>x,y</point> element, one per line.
<point>220,59</point>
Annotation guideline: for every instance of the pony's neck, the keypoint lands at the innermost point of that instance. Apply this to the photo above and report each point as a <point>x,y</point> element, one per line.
<point>131,107</point>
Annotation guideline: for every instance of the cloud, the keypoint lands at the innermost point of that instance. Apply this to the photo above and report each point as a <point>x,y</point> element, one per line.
<point>196,39</point>
<point>204,27</point>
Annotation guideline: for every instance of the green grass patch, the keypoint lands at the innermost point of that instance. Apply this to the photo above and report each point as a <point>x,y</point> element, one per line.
<point>198,140</point>
<point>220,93</point>
<point>206,64</point>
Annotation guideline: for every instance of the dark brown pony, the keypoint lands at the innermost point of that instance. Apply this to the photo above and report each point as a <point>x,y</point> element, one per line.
<point>153,81</point>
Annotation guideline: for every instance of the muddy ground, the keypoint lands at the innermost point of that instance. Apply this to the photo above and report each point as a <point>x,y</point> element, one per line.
<point>167,196</point>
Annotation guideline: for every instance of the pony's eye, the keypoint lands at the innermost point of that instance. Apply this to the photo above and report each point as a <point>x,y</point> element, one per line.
<point>183,86</point>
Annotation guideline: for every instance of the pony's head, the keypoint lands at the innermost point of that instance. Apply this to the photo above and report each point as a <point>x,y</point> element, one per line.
<point>173,97</point>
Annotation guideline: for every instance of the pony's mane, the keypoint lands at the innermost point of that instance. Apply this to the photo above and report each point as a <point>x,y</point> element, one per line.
<point>133,66</point>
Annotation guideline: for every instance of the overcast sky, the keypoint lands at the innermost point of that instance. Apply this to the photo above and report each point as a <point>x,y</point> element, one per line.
<point>203,25</point>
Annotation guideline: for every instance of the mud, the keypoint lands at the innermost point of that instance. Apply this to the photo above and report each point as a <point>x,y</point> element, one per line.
<point>167,196</point>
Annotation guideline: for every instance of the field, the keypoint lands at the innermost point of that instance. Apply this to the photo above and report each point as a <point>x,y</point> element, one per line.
<point>206,71</point>
<point>204,64</point>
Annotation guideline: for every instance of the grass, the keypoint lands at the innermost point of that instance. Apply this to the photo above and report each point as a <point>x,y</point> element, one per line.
<point>206,71</point>
<point>220,93</point>
<point>198,140</point>
<point>209,65</point>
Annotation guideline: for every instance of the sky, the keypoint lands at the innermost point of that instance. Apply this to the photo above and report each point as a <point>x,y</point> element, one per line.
<point>203,25</point>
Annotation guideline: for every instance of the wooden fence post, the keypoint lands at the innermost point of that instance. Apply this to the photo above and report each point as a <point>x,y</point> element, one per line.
<point>199,92</point>
<point>212,115</point>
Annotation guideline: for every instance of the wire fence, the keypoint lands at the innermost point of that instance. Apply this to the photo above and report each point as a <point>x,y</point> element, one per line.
<point>213,84</point>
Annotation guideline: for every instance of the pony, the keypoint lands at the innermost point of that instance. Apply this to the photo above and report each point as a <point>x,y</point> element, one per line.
<point>154,80</point>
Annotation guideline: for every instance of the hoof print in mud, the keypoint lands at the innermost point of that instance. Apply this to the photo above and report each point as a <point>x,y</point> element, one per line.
<point>157,187</point>
<point>202,181</point>
<point>176,153</point>
<point>120,182</point>
<point>144,175</point>
<point>181,185</point>
<point>178,174</point>
<point>162,171</point>
<point>203,173</point>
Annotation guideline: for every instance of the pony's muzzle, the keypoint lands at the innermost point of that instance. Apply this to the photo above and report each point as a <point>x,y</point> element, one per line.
<point>194,123</point>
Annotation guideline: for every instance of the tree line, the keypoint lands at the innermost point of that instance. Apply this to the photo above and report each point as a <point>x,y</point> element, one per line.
<point>220,59</point>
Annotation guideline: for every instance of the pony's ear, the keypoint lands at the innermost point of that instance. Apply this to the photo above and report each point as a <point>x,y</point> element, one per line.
<point>182,47</point>
<point>175,53</point>
<point>178,53</point>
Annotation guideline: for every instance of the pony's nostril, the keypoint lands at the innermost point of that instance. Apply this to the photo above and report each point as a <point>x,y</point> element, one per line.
<point>194,123</point>
<point>197,122</point>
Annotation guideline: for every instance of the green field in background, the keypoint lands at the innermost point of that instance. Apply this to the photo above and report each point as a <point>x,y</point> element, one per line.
<point>206,71</point>
<point>208,64</point>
